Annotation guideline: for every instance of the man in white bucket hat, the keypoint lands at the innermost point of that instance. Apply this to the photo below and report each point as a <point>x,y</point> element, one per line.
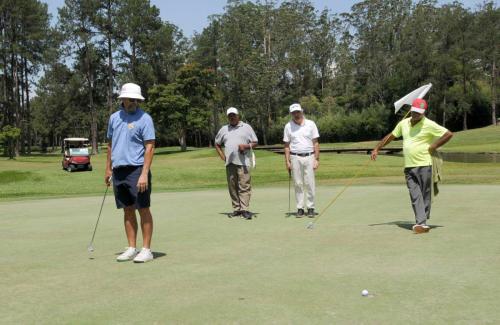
<point>302,158</point>
<point>131,139</point>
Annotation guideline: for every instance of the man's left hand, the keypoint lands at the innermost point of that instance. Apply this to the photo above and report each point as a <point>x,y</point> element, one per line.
<point>142,184</point>
<point>432,149</point>
<point>316,164</point>
<point>242,147</point>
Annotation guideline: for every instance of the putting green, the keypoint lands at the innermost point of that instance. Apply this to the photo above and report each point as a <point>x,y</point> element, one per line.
<point>268,270</point>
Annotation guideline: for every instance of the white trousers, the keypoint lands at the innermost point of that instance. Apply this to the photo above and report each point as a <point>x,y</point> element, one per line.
<point>303,179</point>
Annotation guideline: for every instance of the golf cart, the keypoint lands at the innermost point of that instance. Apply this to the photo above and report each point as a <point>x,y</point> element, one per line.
<point>76,154</point>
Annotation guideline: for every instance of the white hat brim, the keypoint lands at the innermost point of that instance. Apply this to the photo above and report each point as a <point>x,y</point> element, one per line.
<point>418,110</point>
<point>131,95</point>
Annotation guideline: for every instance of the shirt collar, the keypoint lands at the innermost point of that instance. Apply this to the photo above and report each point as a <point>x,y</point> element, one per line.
<point>421,121</point>
<point>240,123</point>
<point>303,122</point>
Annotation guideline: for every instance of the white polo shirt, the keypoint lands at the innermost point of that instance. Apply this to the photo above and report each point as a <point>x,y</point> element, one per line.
<point>301,137</point>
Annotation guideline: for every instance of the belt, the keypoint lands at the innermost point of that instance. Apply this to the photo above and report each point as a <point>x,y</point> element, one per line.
<point>121,167</point>
<point>302,154</point>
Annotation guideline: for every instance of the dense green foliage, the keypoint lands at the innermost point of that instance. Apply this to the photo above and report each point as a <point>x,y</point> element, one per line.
<point>345,69</point>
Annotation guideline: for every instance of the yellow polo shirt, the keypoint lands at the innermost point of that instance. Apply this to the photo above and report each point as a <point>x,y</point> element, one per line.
<point>417,139</point>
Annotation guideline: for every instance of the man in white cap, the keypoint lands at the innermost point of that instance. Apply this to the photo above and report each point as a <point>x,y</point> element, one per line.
<point>302,158</point>
<point>421,138</point>
<point>238,138</point>
<point>131,140</point>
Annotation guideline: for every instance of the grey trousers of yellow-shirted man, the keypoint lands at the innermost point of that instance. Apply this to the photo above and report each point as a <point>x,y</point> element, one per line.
<point>239,185</point>
<point>419,182</point>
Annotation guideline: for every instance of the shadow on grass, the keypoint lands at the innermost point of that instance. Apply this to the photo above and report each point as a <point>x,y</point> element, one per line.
<point>76,171</point>
<point>169,152</point>
<point>402,224</point>
<point>157,255</point>
<point>11,176</point>
<point>294,214</point>
<point>230,214</point>
<point>42,154</point>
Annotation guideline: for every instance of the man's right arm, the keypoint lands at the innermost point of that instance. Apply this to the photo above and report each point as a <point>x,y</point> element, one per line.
<point>220,152</point>
<point>109,169</point>
<point>287,156</point>
<point>385,141</point>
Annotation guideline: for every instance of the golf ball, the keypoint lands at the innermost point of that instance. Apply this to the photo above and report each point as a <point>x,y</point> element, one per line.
<point>364,293</point>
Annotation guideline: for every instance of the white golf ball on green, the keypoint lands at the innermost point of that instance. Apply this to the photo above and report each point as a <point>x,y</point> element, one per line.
<point>364,293</point>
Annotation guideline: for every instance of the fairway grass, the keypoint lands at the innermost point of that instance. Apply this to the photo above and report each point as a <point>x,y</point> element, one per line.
<point>42,176</point>
<point>213,269</point>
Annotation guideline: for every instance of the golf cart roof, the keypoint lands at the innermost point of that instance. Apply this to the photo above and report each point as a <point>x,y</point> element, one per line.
<point>76,139</point>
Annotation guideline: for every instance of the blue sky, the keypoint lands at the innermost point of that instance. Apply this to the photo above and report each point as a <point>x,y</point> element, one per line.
<point>191,15</point>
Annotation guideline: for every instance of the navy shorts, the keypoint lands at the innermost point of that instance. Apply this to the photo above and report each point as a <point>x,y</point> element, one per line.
<point>125,180</point>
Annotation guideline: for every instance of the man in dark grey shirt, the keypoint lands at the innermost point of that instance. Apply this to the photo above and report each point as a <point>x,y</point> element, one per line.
<point>238,138</point>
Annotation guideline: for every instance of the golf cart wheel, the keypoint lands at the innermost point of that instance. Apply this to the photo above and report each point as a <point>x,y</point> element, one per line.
<point>89,168</point>
<point>70,169</point>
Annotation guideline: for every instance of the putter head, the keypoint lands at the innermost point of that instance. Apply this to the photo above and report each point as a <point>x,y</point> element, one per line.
<point>310,225</point>
<point>90,248</point>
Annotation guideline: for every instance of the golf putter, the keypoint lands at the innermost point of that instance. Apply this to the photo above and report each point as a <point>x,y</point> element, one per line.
<point>311,224</point>
<point>90,248</point>
<point>289,191</point>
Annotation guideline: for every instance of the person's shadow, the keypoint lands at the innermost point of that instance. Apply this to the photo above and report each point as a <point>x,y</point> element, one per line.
<point>402,224</point>
<point>230,214</point>
<point>294,214</point>
<point>157,255</point>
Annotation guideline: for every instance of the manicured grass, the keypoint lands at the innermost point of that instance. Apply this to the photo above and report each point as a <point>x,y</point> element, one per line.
<point>270,270</point>
<point>42,176</point>
<point>479,140</point>
<point>485,139</point>
<point>212,269</point>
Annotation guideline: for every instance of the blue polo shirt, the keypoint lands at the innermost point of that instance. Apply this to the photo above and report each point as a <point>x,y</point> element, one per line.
<point>128,134</point>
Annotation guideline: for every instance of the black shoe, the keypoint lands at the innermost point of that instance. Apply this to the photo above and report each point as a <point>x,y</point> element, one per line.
<point>300,213</point>
<point>310,213</point>
<point>235,214</point>
<point>247,215</point>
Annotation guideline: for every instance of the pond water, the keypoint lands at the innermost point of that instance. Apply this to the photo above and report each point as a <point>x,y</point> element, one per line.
<point>468,157</point>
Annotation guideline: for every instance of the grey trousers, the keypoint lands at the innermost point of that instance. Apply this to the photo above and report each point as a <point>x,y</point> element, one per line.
<point>419,182</point>
<point>240,188</point>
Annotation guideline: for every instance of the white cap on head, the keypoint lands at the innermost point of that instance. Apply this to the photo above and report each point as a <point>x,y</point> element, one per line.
<point>295,108</point>
<point>232,110</point>
<point>131,90</point>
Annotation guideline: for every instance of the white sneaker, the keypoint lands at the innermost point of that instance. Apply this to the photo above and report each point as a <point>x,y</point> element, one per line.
<point>127,255</point>
<point>144,256</point>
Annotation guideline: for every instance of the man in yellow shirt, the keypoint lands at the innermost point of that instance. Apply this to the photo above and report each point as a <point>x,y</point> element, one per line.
<point>421,137</point>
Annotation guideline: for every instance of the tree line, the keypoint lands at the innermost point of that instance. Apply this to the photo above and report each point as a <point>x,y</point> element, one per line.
<point>59,80</point>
